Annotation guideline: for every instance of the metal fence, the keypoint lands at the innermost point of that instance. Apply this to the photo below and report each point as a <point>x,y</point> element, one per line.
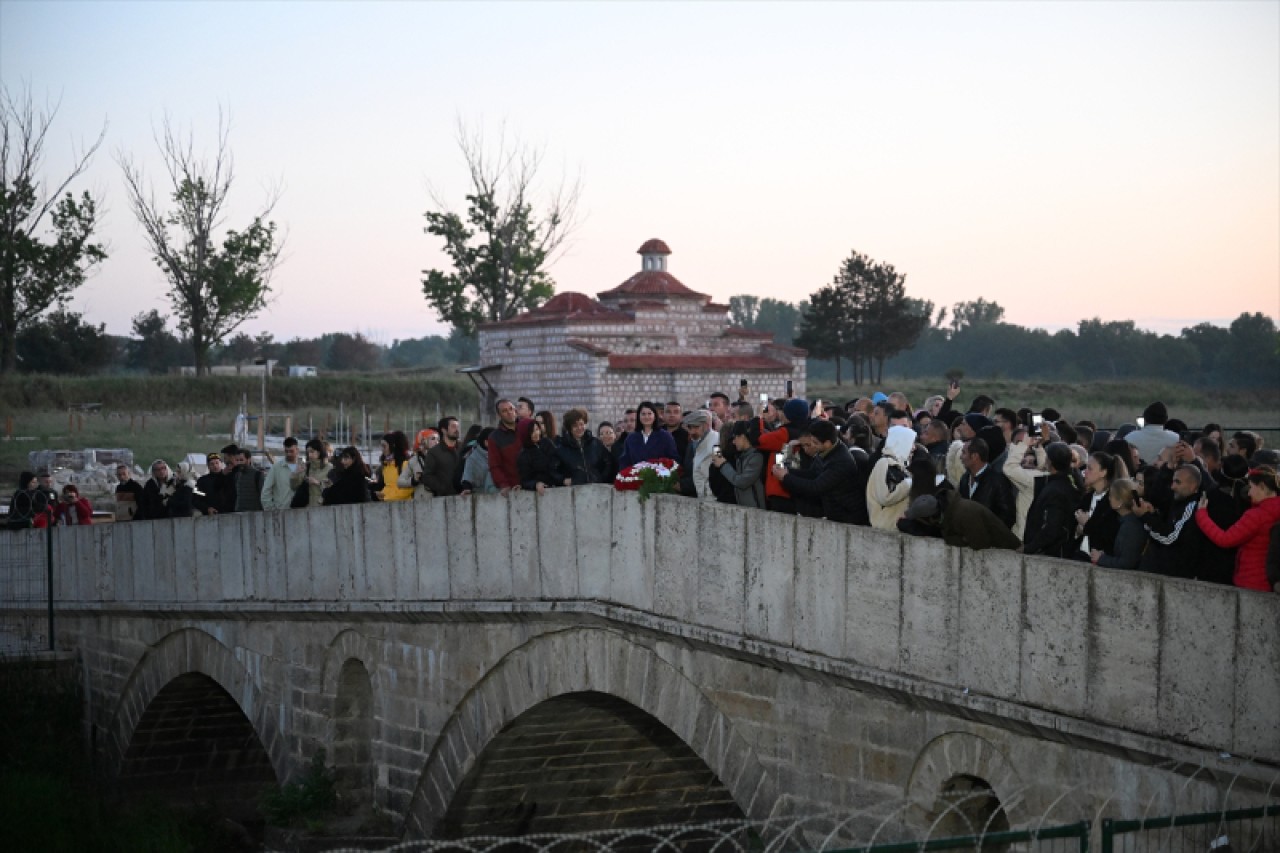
<point>740,836</point>
<point>1255,830</point>
<point>26,600</point>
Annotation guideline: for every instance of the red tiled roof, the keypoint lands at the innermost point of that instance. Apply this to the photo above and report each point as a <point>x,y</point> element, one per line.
<point>653,247</point>
<point>728,363</point>
<point>652,283</point>
<point>739,332</point>
<point>567,307</point>
<point>585,346</point>
<point>715,306</point>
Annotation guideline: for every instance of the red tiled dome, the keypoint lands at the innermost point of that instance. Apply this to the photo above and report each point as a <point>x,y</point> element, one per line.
<point>654,247</point>
<point>652,283</point>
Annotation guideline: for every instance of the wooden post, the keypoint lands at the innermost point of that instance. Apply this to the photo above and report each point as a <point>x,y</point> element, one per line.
<point>288,424</point>
<point>144,423</point>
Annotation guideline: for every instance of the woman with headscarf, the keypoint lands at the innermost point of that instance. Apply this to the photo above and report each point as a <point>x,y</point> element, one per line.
<point>890,483</point>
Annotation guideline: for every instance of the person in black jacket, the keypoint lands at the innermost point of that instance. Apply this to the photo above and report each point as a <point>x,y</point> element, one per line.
<point>582,458</point>
<point>352,484</point>
<point>1097,523</point>
<point>830,481</point>
<point>1131,533</point>
<point>214,492</point>
<point>1050,520</point>
<point>165,495</point>
<point>986,483</point>
<point>537,463</point>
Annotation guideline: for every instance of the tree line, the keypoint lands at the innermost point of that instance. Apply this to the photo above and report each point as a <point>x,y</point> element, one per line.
<point>62,342</point>
<point>865,320</point>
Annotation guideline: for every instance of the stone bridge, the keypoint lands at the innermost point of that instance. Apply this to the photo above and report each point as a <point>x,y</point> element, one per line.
<point>582,660</point>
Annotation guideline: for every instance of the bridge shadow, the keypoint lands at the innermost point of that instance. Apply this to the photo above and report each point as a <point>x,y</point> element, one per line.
<point>583,762</point>
<point>194,746</point>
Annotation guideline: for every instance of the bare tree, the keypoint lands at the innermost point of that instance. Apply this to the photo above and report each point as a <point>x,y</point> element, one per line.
<point>213,289</point>
<point>36,274</point>
<point>501,250</point>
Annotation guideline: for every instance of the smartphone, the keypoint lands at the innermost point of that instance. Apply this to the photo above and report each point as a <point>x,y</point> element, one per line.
<point>715,450</point>
<point>789,391</point>
<point>764,399</point>
<point>779,458</point>
<point>1035,420</point>
<point>742,384</point>
<point>1142,422</point>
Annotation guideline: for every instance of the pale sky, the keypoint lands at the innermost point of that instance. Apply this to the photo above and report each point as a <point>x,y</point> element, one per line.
<point>1066,160</point>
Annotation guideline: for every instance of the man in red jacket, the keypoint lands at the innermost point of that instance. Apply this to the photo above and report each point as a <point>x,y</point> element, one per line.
<point>504,449</point>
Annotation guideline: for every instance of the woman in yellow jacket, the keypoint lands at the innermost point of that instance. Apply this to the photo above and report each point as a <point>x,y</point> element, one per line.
<point>395,455</point>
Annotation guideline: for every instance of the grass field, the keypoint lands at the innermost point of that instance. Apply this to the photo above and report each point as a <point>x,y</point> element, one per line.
<point>167,417</point>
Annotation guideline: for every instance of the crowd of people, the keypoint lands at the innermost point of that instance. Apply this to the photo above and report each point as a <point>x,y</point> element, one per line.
<point>1155,495</point>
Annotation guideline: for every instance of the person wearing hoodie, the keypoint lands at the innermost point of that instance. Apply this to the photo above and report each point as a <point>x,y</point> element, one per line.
<point>475,467</point>
<point>890,484</point>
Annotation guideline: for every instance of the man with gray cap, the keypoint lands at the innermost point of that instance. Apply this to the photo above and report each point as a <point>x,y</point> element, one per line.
<point>696,464</point>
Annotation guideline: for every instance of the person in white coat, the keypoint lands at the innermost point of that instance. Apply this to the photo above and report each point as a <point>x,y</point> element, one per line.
<point>890,485</point>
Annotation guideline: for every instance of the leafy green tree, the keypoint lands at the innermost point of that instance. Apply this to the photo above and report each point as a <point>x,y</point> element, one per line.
<point>305,351</point>
<point>743,310</point>
<point>825,325</point>
<point>352,352</point>
<point>240,349</point>
<point>62,343</point>
<point>213,288</point>
<point>500,250</point>
<point>36,271</point>
<point>153,347</point>
<point>1250,357</point>
<point>975,313</point>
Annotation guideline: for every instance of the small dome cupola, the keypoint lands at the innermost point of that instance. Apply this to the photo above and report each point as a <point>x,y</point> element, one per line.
<point>653,256</point>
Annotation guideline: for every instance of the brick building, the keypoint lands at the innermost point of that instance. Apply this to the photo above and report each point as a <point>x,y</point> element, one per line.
<point>649,338</point>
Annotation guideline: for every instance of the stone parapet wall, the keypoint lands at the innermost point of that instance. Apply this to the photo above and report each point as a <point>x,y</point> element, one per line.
<point>1091,651</point>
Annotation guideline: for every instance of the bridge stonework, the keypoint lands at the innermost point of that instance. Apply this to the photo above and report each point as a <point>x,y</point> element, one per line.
<point>810,667</point>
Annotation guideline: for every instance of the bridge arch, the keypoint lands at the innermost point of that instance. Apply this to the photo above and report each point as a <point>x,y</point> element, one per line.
<point>184,653</point>
<point>586,661</point>
<point>950,776</point>
<point>349,688</point>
